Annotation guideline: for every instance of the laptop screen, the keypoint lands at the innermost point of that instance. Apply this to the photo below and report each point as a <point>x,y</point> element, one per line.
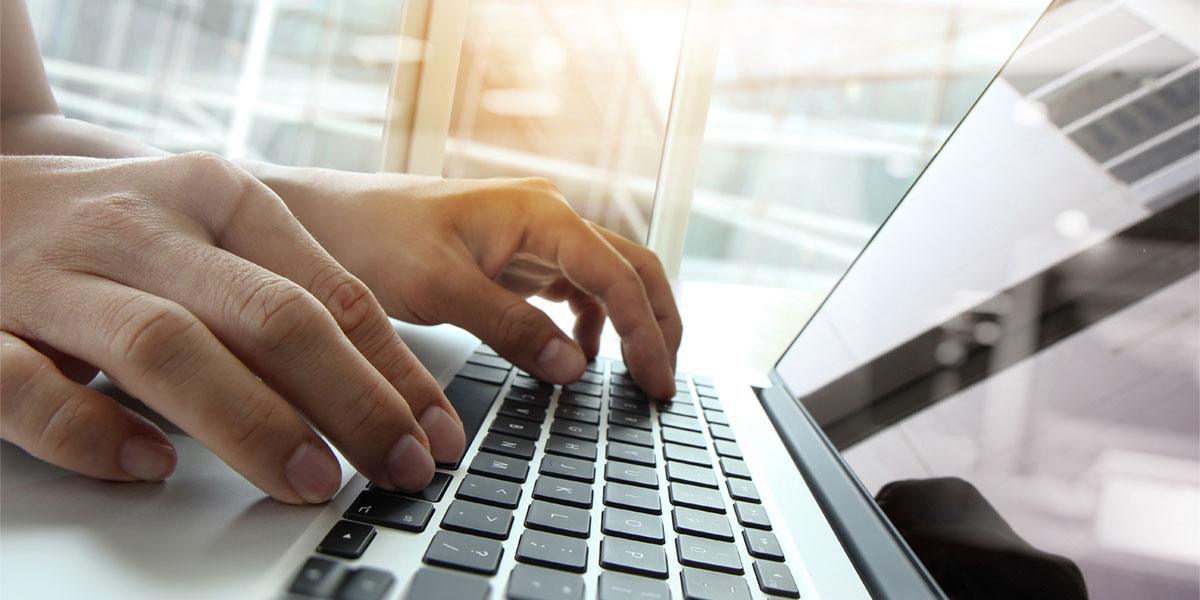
<point>1026,320</point>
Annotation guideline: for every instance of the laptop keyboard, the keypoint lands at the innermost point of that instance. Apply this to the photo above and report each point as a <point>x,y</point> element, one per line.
<point>647,472</point>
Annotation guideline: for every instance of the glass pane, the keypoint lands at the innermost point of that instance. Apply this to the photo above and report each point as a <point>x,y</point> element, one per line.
<point>574,91</point>
<point>296,82</point>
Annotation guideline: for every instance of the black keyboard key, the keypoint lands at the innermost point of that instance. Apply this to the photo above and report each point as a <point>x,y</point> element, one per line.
<point>631,474</point>
<point>535,583</point>
<point>430,493</point>
<point>516,427</point>
<point>742,489</point>
<point>672,435</point>
<point>556,518</point>
<point>523,411</point>
<point>583,387</point>
<point>733,467</point>
<point>571,468</point>
<point>752,515</point>
<point>478,519</point>
<point>619,586</point>
<point>618,368</point>
<point>632,525</point>
<point>629,435</point>
<point>632,498</point>
<point>534,385</point>
<point>683,409</point>
<point>699,584</point>
<point>482,373</point>
<point>466,552</point>
<point>532,397</point>
<point>576,413</point>
<point>710,404</point>
<point>629,453</point>
<point>762,544</point>
<point>486,349</point>
<point>347,539</point>
<point>319,577</point>
<point>489,360</point>
<point>620,417</point>
<point>633,406</point>
<point>775,578</point>
<point>437,584</point>
<point>727,448</point>
<point>489,491</point>
<point>574,429</point>
<point>629,393</point>
<point>687,454</point>
<point>708,554</point>
<point>500,467</point>
<point>691,496</point>
<point>721,432</point>
<point>389,510</point>
<point>679,422</point>
<point>633,557</point>
<point>366,584</point>
<point>701,523</point>
<point>595,377</point>
<point>499,443</point>
<point>574,448</point>
<point>562,491</point>
<point>702,476</point>
<point>471,400</point>
<point>716,417</point>
<point>552,550</point>
<point>580,400</point>
<point>596,366</point>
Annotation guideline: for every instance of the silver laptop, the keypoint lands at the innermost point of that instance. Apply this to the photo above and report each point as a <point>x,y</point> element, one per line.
<point>1062,210</point>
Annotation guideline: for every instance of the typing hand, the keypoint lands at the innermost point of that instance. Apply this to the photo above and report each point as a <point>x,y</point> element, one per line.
<point>469,252</point>
<point>186,280</point>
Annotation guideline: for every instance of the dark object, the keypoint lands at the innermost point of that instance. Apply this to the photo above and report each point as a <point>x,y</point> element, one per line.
<point>347,539</point>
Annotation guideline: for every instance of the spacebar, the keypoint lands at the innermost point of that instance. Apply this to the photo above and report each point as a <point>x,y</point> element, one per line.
<point>472,399</point>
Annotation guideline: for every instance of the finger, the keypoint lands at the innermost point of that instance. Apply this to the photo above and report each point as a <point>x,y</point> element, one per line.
<point>589,314</point>
<point>161,354</point>
<point>72,426</point>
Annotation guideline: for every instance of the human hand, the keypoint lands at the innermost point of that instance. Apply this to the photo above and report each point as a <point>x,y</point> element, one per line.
<point>186,280</point>
<point>469,252</point>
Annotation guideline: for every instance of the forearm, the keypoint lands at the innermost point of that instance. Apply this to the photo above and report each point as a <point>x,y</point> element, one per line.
<point>52,133</point>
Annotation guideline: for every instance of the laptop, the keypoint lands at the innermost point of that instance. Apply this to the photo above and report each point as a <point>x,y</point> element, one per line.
<point>730,490</point>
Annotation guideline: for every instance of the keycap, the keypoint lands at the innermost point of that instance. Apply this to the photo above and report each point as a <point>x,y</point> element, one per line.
<point>629,435</point>
<point>576,413</point>
<point>672,435</point>
<point>478,519</point>
<point>631,474</point>
<point>472,400</point>
<point>687,454</point>
<point>618,368</point>
<point>632,498</point>
<point>710,403</point>
<point>619,586</point>
<point>438,584</point>
<point>632,525</point>
<point>536,583</point>
<point>580,400</point>
<point>523,411</point>
<point>583,387</point>
<point>347,539</point>
<point>699,584</point>
<point>571,468</point>
<point>595,377</point>
<point>486,349</point>
<point>596,366</point>
<point>620,417</point>
<point>463,551</point>
<point>319,577</point>
<point>716,417</point>
<point>489,360</point>
<point>499,443</point>
<point>516,427</point>
<point>682,494</point>
<point>679,422</point>
<point>575,429</point>
<point>562,491</point>
<point>526,382</point>
<point>533,397</point>
<point>552,550</point>
<point>742,489</point>
<point>701,523</point>
<point>388,510</point>
<point>636,407</point>
<point>762,544</point>
<point>629,556</point>
<point>702,476</point>
<point>733,467</point>
<point>702,380</point>
<point>708,554</point>
<point>721,432</point>
<point>727,448</point>
<point>574,448</point>
<point>630,393</point>
<point>706,390</point>
<point>482,373</point>
<point>775,578</point>
<point>489,491</point>
<point>630,453</point>
<point>683,409</point>
<point>366,583</point>
<point>556,518</point>
<point>430,493</point>
<point>751,515</point>
<point>500,467</point>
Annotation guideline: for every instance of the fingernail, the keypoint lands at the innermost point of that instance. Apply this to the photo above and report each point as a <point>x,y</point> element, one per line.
<point>146,459</point>
<point>560,361</point>
<point>446,438</point>
<point>409,465</point>
<point>313,474</point>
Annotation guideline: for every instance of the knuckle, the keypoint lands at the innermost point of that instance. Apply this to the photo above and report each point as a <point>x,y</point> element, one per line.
<point>350,302</point>
<point>118,213</point>
<point>251,422</point>
<point>21,367</point>
<point>155,336</point>
<point>61,426</point>
<point>363,412</point>
<point>517,322</point>
<point>278,316</point>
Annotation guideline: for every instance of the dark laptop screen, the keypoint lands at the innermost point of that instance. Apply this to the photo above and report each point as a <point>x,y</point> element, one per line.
<point>1023,333</point>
